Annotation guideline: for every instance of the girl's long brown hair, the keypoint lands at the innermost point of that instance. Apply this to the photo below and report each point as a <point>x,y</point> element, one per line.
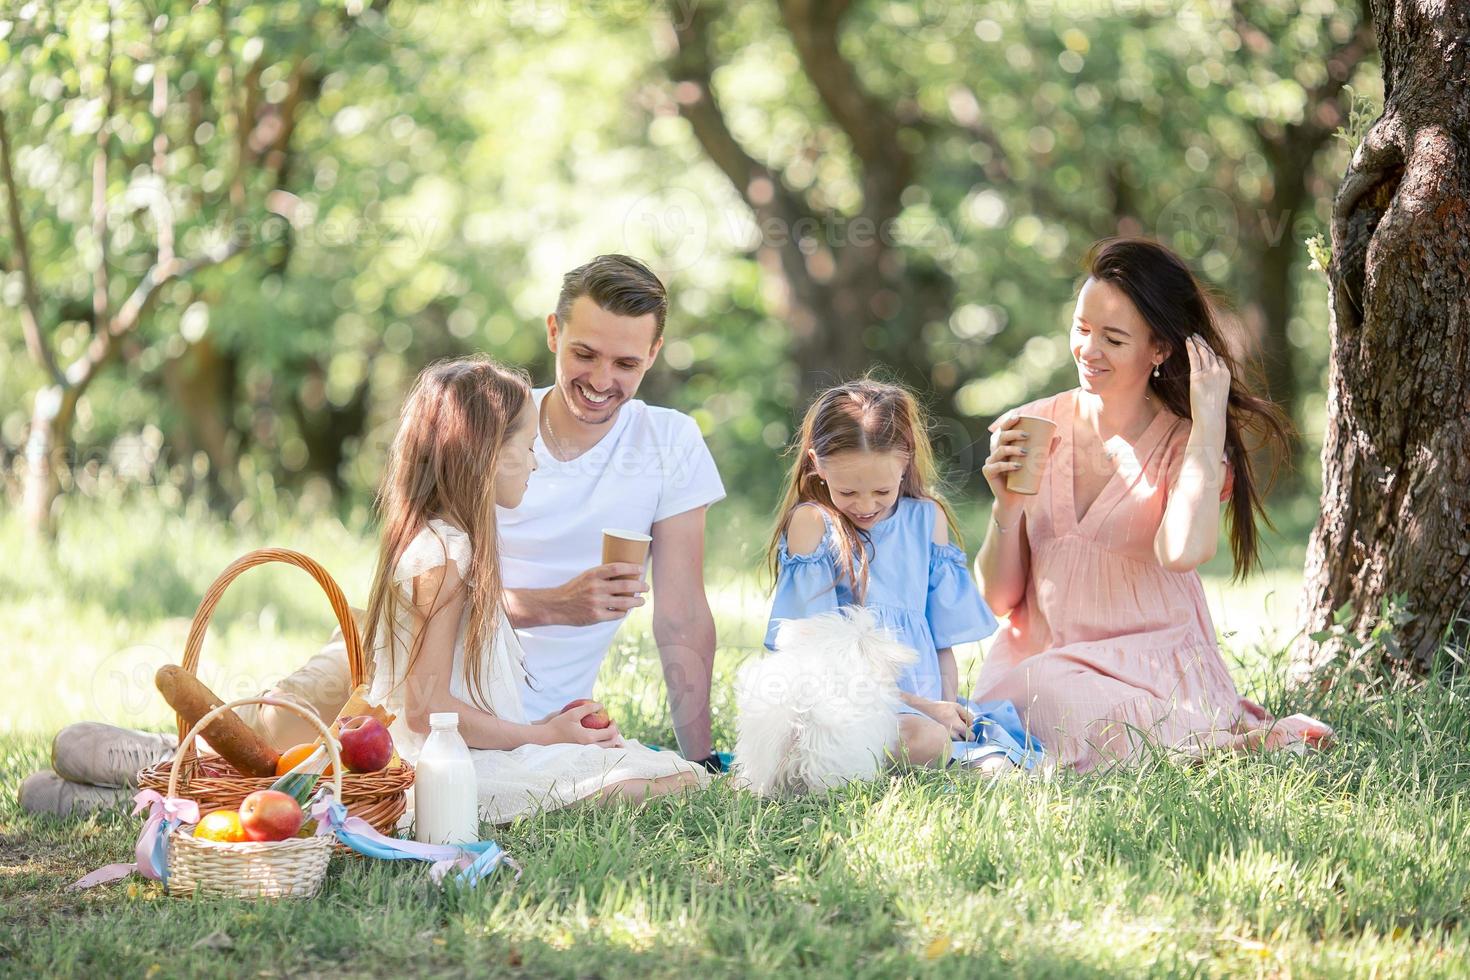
<point>1174,305</point>
<point>864,416</point>
<point>442,464</point>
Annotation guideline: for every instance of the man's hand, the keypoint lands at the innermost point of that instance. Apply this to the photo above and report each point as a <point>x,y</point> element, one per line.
<point>603,593</point>
<point>599,594</point>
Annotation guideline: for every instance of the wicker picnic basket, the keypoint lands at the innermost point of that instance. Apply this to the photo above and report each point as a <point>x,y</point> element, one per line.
<point>377,797</point>
<point>290,868</point>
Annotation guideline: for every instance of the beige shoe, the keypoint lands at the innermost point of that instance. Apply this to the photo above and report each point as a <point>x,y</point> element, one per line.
<point>105,755</point>
<point>48,794</point>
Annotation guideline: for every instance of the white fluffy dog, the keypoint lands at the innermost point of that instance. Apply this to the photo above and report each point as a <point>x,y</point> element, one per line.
<point>823,709</point>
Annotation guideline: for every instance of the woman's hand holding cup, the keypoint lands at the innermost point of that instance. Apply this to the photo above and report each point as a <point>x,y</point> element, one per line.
<point>1010,445</point>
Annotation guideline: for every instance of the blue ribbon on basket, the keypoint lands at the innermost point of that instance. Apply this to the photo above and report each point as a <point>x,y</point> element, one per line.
<point>473,862</point>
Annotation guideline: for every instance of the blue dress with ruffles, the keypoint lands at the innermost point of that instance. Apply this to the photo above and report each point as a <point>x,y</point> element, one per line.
<point>919,590</point>
<point>924,594</point>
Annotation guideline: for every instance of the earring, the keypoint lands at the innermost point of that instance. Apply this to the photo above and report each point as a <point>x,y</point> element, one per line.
<point>1156,370</point>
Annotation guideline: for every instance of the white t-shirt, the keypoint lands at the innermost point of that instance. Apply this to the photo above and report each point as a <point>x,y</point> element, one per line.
<point>651,465</point>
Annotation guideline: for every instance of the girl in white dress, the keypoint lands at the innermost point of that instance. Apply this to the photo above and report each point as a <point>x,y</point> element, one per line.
<point>437,628</point>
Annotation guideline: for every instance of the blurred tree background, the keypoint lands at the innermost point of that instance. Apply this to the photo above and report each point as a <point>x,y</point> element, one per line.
<point>235,231</point>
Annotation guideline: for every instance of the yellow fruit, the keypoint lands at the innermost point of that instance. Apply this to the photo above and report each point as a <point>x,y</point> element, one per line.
<point>295,755</point>
<point>221,825</point>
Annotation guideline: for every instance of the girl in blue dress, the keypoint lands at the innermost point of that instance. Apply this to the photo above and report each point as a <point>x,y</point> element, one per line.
<point>863,523</point>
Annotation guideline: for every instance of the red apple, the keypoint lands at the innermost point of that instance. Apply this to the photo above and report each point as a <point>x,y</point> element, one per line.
<point>366,744</point>
<point>598,719</point>
<point>269,814</point>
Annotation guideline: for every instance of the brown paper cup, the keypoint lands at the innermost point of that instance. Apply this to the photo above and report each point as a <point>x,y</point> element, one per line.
<point>1027,479</point>
<point>624,546</point>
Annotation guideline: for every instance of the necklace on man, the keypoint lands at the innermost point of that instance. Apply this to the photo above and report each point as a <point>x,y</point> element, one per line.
<point>558,448</point>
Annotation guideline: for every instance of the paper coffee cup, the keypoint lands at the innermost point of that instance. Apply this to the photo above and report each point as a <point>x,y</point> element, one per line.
<point>630,547</point>
<point>1037,444</point>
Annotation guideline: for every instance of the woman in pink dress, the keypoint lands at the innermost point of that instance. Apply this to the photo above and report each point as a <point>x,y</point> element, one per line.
<point>1108,646</point>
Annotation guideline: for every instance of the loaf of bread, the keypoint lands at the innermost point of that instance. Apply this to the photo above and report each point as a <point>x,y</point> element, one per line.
<point>235,741</point>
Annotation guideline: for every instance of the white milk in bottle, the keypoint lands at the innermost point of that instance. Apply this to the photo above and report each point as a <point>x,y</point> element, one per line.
<point>444,790</point>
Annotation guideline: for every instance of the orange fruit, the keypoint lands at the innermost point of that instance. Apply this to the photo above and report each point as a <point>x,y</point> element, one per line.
<point>221,825</point>
<point>295,755</point>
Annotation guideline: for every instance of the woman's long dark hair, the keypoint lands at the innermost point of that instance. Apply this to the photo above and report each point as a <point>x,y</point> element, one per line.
<point>1175,305</point>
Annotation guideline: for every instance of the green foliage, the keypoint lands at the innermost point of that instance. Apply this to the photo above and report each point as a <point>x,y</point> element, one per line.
<point>450,161</point>
<point>1319,251</point>
<point>1362,112</point>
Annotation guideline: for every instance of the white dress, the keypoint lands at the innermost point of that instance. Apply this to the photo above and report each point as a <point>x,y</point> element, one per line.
<point>512,782</point>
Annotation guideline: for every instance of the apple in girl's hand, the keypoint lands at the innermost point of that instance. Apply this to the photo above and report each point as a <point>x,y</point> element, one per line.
<point>366,744</point>
<point>598,719</point>
<point>269,814</point>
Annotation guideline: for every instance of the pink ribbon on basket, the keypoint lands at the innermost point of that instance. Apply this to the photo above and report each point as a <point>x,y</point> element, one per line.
<point>151,852</point>
<point>472,862</point>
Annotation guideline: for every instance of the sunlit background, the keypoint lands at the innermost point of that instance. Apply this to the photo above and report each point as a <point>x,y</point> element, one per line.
<point>408,181</point>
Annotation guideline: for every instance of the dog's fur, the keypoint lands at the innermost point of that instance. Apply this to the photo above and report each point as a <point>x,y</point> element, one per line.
<point>823,709</point>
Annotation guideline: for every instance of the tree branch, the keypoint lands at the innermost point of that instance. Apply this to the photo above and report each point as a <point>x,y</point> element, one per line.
<point>160,153</point>
<point>30,309</point>
<point>870,126</point>
<point>233,98</point>
<point>762,187</point>
<point>1304,138</point>
<point>1340,64</point>
<point>100,159</point>
<point>81,372</point>
<point>271,140</point>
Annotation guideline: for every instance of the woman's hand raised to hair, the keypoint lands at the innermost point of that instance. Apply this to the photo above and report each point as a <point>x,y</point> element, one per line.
<point>1209,382</point>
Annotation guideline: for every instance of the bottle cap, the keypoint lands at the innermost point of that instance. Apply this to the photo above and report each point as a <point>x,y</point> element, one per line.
<point>444,719</point>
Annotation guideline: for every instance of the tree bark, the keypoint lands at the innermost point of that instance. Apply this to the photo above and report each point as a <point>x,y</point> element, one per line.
<point>1396,455</point>
<point>1272,240</point>
<point>202,385</point>
<point>52,412</point>
<point>842,275</point>
<point>55,403</point>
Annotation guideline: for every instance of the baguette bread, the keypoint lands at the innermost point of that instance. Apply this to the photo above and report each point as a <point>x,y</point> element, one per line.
<point>235,741</point>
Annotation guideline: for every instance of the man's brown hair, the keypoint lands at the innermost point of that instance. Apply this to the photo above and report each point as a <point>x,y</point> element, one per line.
<point>619,284</point>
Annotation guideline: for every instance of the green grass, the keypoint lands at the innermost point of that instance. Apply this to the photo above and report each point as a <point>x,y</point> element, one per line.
<point>1355,863</point>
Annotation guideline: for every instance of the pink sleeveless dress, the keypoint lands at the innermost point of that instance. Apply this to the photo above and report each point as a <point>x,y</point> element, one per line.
<point>1109,653</point>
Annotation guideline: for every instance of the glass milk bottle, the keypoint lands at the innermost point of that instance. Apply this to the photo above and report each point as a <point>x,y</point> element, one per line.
<point>444,786</point>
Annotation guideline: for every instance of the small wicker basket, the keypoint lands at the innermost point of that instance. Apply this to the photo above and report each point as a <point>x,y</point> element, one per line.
<point>291,868</point>
<point>377,797</point>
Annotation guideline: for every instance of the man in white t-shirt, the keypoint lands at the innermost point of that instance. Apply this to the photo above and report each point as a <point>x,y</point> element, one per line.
<point>608,460</point>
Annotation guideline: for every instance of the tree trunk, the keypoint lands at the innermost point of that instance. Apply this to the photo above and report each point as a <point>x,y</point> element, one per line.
<point>1267,316</point>
<point>842,277</point>
<point>202,385</point>
<point>50,440</point>
<point>1396,455</point>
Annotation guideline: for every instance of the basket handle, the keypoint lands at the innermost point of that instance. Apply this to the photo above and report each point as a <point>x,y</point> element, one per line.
<point>188,739</point>
<point>263,556</point>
